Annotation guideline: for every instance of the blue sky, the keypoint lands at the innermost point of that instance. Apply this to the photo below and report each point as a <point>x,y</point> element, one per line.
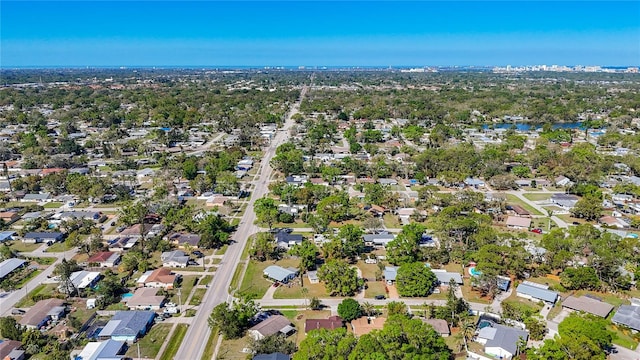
<point>333,33</point>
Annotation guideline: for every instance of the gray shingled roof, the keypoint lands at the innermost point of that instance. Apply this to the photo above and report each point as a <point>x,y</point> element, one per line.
<point>538,293</point>
<point>628,315</point>
<point>504,337</point>
<point>127,323</point>
<point>588,305</point>
<point>7,266</point>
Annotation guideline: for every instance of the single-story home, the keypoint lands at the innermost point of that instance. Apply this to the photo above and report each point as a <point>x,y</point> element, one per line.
<point>516,222</point>
<point>175,258</point>
<point>565,201</point>
<point>44,197</point>
<point>331,323</point>
<point>439,325</point>
<point>42,312</point>
<point>501,341</point>
<point>104,259</point>
<point>145,299</point>
<point>9,216</point>
<point>365,325</point>
<point>71,215</point>
<point>629,316</point>
<point>280,274</point>
<point>444,276</point>
<point>562,181</point>
<point>10,265</point>
<point>587,305</point>
<point>536,292</point>
<point>158,278</point>
<point>39,237</point>
<point>272,356</point>
<point>378,240</point>
<point>272,325</point>
<point>182,240</point>
<point>520,211</point>
<point>127,326</point>
<point>6,236</point>
<point>103,350</point>
<point>286,241</point>
<point>473,182</point>
<point>85,279</point>
<point>390,273</point>
<point>10,350</point>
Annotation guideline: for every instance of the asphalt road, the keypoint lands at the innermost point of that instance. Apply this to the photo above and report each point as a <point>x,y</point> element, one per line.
<point>195,339</point>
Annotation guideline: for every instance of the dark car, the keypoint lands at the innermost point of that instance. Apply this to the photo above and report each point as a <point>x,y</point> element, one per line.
<point>379,297</point>
<point>288,230</point>
<point>198,254</point>
<point>575,223</point>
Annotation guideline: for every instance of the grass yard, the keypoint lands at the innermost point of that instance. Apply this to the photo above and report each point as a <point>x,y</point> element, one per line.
<point>472,295</point>
<point>624,337</point>
<point>537,196</point>
<point>206,280</point>
<point>19,246</point>
<point>150,344</point>
<point>232,349</point>
<point>174,343</point>
<point>27,278</point>
<point>211,345</point>
<point>42,260</point>
<point>42,288</point>
<point>58,247</point>
<point>570,219</point>
<point>197,297</point>
<point>295,291</point>
<point>298,318</point>
<point>512,199</point>
<point>375,288</point>
<point>185,288</point>
<point>391,221</point>
<point>368,270</point>
<point>52,205</point>
<point>254,285</point>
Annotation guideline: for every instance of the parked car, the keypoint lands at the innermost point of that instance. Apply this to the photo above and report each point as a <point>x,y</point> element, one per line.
<point>198,253</point>
<point>380,297</point>
<point>537,230</point>
<point>17,312</point>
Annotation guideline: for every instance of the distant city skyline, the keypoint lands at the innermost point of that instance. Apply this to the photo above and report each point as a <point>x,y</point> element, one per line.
<point>265,33</point>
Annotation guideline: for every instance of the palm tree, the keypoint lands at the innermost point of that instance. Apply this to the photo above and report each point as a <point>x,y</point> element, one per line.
<point>305,293</point>
<point>467,329</point>
<point>368,308</point>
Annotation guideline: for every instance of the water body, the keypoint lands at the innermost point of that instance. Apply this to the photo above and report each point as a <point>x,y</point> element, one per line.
<point>530,127</point>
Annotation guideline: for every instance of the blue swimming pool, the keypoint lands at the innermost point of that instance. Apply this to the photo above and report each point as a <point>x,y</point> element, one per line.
<point>474,272</point>
<point>126,296</point>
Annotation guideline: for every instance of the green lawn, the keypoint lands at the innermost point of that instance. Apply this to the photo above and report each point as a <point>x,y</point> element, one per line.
<point>375,288</point>
<point>514,200</point>
<point>254,285</point>
<point>27,278</point>
<point>368,270</point>
<point>19,246</point>
<point>42,260</point>
<point>42,288</point>
<point>196,299</point>
<point>537,197</point>
<point>52,205</point>
<point>206,280</point>
<point>624,337</point>
<point>295,291</point>
<point>174,343</point>
<point>211,345</point>
<point>150,344</point>
<point>185,288</point>
<point>391,221</point>
<point>58,247</point>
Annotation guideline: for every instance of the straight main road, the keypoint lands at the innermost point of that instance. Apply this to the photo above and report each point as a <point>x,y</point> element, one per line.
<point>195,340</point>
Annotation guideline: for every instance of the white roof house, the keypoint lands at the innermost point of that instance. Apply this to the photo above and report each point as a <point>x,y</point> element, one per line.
<point>9,265</point>
<point>280,274</point>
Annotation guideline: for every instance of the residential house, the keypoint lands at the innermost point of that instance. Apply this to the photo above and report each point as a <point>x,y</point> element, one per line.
<point>563,181</point>
<point>378,240</point>
<point>39,237</point>
<point>439,325</point>
<point>176,258</point>
<point>444,277</point>
<point>565,201</point>
<point>272,325</point>
<point>135,231</point>
<point>5,186</point>
<point>159,278</point>
<point>387,182</point>
<point>127,326</point>
<point>10,350</point>
<point>6,236</point>
<point>313,277</point>
<point>43,312</point>
<point>102,350</point>
<point>404,215</point>
<point>44,197</point>
<point>501,341</point>
<point>9,217</point>
<point>331,323</point>
<point>376,210</point>
<point>104,259</point>
<point>611,221</point>
<point>83,279</point>
<point>122,243</point>
<point>536,292</point>
<point>286,241</point>
<point>520,211</point>
<point>365,325</point>
<point>145,299</point>
<point>10,265</point>
<point>588,305</point>
<point>183,240</point>
<point>72,215</point>
<point>296,180</point>
<point>272,356</point>
<point>390,273</point>
<point>474,183</point>
<point>518,223</point>
<point>280,274</point>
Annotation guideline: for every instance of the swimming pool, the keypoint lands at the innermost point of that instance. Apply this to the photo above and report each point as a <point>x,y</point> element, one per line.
<point>474,272</point>
<point>126,296</point>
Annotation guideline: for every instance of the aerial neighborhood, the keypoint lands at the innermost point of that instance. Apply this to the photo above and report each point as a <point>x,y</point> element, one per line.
<point>298,214</point>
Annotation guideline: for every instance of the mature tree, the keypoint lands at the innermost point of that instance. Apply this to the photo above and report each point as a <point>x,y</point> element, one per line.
<point>415,280</point>
<point>588,326</point>
<point>580,278</point>
<point>110,290</point>
<point>323,344</point>
<point>272,344</point>
<point>190,168</point>
<point>397,308</point>
<point>334,207</point>
<point>588,208</point>
<point>307,252</point>
<point>266,211</point>
<point>264,247</point>
<point>349,309</point>
<point>537,328</point>
<point>133,214</point>
<point>405,248</point>
<point>353,241</point>
<point>214,231</point>
<point>339,278</point>
<point>233,320</point>
<point>288,160</point>
<point>64,270</point>
<point>10,329</point>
